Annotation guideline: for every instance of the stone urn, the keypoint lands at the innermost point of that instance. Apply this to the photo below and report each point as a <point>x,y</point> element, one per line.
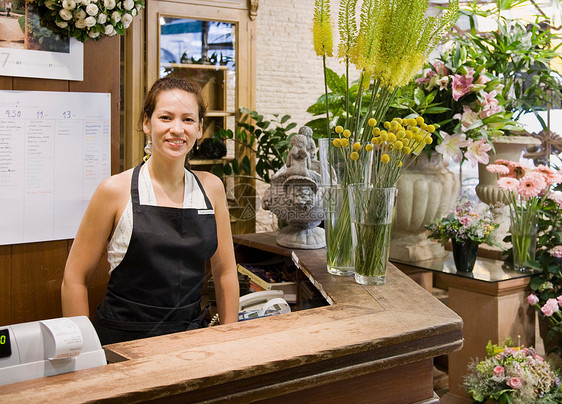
<point>426,190</point>
<point>506,148</point>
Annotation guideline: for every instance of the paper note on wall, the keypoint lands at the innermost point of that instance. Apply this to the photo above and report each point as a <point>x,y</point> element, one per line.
<point>55,148</point>
<point>63,338</point>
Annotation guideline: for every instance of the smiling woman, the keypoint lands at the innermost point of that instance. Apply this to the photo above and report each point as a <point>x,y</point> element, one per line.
<point>163,223</point>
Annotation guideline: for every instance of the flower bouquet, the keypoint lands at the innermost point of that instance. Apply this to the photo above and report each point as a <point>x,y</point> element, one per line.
<point>467,226</point>
<point>526,190</point>
<point>387,46</point>
<point>465,103</point>
<point>87,19</point>
<point>515,375</point>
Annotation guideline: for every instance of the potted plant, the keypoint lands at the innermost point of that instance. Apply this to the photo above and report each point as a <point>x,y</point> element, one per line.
<point>467,226</point>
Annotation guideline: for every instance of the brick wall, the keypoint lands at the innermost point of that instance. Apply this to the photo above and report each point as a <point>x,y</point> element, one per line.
<point>289,74</point>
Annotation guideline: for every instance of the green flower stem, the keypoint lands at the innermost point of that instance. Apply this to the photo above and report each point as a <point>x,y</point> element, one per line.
<point>339,252</point>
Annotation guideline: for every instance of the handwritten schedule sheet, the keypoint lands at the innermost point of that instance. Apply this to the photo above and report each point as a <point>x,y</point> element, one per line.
<point>55,148</point>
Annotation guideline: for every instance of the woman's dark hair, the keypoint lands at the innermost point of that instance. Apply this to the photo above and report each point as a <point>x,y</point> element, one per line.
<point>166,84</point>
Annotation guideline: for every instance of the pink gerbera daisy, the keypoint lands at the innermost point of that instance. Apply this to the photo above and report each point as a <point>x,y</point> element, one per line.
<point>508,184</point>
<point>550,176</point>
<point>498,169</point>
<point>531,185</point>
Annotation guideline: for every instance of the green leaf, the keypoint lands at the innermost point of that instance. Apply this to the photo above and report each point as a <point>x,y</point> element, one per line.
<point>246,165</point>
<point>436,110</point>
<point>285,118</point>
<point>334,82</point>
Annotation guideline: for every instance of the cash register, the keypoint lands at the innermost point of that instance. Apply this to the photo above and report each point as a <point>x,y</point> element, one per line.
<point>47,348</point>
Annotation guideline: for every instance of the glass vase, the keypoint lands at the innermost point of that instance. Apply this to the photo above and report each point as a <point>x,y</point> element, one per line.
<point>464,254</point>
<point>371,211</point>
<point>337,227</point>
<point>524,229</point>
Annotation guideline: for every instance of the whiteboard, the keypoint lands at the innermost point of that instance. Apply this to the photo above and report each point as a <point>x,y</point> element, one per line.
<point>55,148</point>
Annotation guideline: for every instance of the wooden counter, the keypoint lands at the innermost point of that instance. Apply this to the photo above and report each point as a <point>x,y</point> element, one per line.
<point>374,344</point>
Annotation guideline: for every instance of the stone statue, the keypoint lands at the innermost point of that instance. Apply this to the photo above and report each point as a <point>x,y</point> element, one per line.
<point>294,195</point>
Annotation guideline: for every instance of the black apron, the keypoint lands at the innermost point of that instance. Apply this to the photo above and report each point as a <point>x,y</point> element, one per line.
<point>156,289</point>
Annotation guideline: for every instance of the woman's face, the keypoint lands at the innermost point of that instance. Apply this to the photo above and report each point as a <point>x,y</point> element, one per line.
<point>174,125</point>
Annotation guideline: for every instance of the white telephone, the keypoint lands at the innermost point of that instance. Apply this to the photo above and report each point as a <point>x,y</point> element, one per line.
<point>261,304</point>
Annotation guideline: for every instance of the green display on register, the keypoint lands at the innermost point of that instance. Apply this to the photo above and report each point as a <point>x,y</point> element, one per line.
<point>5,346</point>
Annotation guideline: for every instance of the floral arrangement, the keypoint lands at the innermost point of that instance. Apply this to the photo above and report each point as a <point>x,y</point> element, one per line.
<point>467,221</point>
<point>515,375</point>
<point>387,46</point>
<point>87,19</point>
<point>465,103</point>
<point>526,190</point>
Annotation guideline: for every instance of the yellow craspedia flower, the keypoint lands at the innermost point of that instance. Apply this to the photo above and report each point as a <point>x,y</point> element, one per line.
<point>428,140</point>
<point>419,120</point>
<point>347,133</point>
<point>430,128</point>
<point>415,130</point>
<point>322,29</point>
<point>412,122</point>
<point>400,134</point>
<point>354,156</point>
<point>384,136</point>
<point>394,126</point>
<point>336,142</point>
<point>407,150</point>
<point>399,120</point>
<point>386,125</point>
<point>418,138</point>
<point>423,126</point>
<point>409,134</point>
<point>344,142</point>
<point>339,129</point>
<point>391,137</point>
<point>369,147</point>
<point>375,140</point>
<point>356,146</point>
<point>372,122</point>
<point>398,145</point>
<point>376,131</point>
<point>385,158</point>
<point>399,163</point>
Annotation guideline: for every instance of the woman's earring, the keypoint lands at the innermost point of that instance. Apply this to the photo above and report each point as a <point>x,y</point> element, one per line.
<point>147,150</point>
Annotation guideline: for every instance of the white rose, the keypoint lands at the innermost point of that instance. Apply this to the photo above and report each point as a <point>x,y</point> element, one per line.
<point>90,21</point>
<point>50,4</point>
<point>93,34</point>
<point>109,30</point>
<point>86,2</point>
<point>65,14</point>
<point>109,4</point>
<point>92,9</point>
<point>127,19</point>
<point>134,12</point>
<point>80,24</point>
<point>80,15</point>
<point>102,18</point>
<point>62,24</point>
<point>69,4</point>
<point>128,4</point>
<point>116,17</point>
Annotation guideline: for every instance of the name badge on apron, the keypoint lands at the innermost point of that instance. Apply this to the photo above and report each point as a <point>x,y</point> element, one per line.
<point>206,211</point>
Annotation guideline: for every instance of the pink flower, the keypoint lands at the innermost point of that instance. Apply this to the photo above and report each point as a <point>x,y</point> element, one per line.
<point>477,152</point>
<point>489,111</point>
<point>532,299</point>
<point>531,185</point>
<point>461,85</point>
<point>550,176</point>
<point>553,303</point>
<point>440,68</point>
<point>464,221</point>
<point>443,82</point>
<point>557,253</point>
<point>482,79</point>
<point>547,310</point>
<point>467,118</point>
<point>450,147</point>
<point>498,370</point>
<point>514,383</point>
<point>556,197</point>
<point>559,300</point>
<point>489,103</point>
<point>498,169</point>
<point>508,184</point>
